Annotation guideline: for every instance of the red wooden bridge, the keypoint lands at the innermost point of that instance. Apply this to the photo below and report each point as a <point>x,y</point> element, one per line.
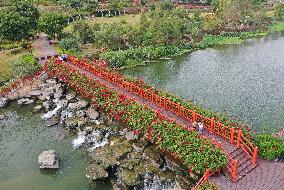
<point>241,153</point>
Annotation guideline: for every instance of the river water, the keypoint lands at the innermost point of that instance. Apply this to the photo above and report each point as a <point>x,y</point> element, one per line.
<point>245,80</point>
<point>23,136</point>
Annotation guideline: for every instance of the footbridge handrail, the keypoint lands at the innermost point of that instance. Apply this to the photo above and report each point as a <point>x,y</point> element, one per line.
<point>235,136</point>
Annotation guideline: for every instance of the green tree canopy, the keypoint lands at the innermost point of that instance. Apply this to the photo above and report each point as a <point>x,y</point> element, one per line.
<point>13,26</point>
<point>27,10</point>
<point>52,24</point>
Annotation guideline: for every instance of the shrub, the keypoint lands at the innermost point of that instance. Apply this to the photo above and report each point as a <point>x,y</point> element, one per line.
<point>279,12</point>
<point>25,65</point>
<point>70,43</point>
<point>138,55</point>
<point>270,147</point>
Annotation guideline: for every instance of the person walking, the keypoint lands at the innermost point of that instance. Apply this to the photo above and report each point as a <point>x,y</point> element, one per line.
<point>200,127</point>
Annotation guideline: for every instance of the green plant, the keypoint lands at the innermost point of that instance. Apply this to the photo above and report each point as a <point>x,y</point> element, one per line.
<point>270,147</point>
<point>24,66</point>
<point>70,43</point>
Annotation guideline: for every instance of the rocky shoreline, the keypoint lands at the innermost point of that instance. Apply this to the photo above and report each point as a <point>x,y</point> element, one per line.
<point>115,154</point>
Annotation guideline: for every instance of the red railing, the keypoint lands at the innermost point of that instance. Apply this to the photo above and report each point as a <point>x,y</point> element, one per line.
<point>236,137</point>
<point>204,178</point>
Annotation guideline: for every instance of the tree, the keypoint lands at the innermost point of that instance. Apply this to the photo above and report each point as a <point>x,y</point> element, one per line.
<point>279,12</point>
<point>28,10</point>
<point>13,26</point>
<point>70,43</point>
<point>83,31</point>
<point>112,36</point>
<point>52,24</point>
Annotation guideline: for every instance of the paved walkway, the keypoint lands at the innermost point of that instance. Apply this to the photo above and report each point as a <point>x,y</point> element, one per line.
<point>41,47</point>
<point>267,176</point>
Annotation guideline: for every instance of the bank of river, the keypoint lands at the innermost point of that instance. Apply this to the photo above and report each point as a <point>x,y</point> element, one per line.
<point>24,135</point>
<point>245,80</point>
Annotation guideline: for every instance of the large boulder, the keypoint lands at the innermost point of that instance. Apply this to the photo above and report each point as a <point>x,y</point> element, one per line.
<point>70,96</point>
<point>96,172</point>
<point>92,114</point>
<point>153,157</point>
<point>81,104</point>
<point>25,101</point>
<point>3,102</point>
<point>48,160</point>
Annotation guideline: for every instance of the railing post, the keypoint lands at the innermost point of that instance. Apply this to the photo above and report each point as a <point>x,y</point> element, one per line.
<point>193,116</point>
<point>235,170</point>
<point>153,97</point>
<point>233,131</point>
<point>165,103</point>
<point>141,92</point>
<point>239,138</point>
<point>254,157</point>
<point>179,109</point>
<point>212,125</point>
<point>130,84</point>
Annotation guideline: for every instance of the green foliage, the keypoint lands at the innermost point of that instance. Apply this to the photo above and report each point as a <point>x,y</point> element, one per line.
<point>80,6</point>
<point>279,12</point>
<point>119,4</point>
<point>112,36</point>
<point>27,10</point>
<point>278,27</point>
<point>84,32</point>
<point>13,26</point>
<point>269,146</point>
<point>70,43</point>
<point>52,24</point>
<point>24,66</point>
<point>135,56</point>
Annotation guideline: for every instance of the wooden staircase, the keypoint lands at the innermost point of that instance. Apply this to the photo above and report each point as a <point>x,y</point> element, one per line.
<point>242,163</point>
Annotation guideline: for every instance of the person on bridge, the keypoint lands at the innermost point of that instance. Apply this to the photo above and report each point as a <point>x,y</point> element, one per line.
<point>200,127</point>
<point>195,125</point>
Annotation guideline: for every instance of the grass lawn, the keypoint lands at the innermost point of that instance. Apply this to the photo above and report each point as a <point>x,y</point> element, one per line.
<point>132,19</point>
<point>278,27</point>
<point>5,60</point>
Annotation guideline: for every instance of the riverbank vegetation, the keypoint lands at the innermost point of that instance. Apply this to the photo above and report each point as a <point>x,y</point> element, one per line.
<point>164,25</point>
<point>270,146</point>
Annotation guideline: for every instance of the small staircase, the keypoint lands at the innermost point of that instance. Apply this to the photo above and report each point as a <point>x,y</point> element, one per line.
<point>244,164</point>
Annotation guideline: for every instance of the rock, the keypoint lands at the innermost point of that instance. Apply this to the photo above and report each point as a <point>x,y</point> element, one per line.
<point>118,185</point>
<point>37,108</point>
<point>129,177</point>
<point>78,105</point>
<point>96,172</point>
<point>82,121</point>
<point>2,117</point>
<point>63,103</point>
<point>171,164</point>
<point>51,81</point>
<point>25,101</point>
<point>153,156</point>
<point>71,123</point>
<point>35,93</point>
<point>70,96</point>
<point>52,122</point>
<point>3,102</point>
<point>138,147</point>
<point>81,113</point>
<point>130,136</point>
<point>89,130</point>
<point>92,114</point>
<point>48,159</point>
<point>47,104</point>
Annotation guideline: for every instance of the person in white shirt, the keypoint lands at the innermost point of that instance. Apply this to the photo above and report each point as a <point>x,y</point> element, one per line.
<point>200,127</point>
